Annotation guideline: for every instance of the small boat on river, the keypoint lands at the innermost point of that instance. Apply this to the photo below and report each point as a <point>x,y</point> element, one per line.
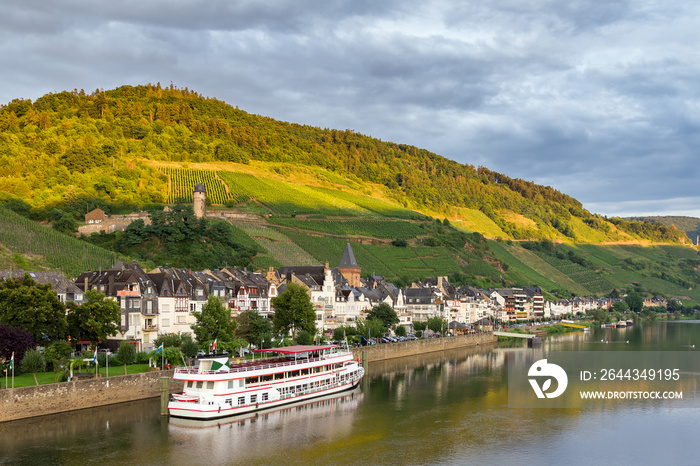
<point>216,388</point>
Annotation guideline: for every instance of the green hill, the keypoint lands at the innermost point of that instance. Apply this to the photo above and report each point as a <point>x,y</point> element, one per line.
<point>690,225</point>
<point>309,191</point>
<point>115,148</point>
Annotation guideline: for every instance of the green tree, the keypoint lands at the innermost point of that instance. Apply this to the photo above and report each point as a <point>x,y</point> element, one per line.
<point>126,353</point>
<point>436,324</point>
<point>213,322</point>
<point>620,306</point>
<point>189,348</point>
<point>400,331</point>
<point>253,327</point>
<point>35,307</point>
<point>57,351</point>
<point>635,301</point>
<point>304,338</point>
<point>97,318</point>
<point>372,327</point>
<point>385,313</point>
<point>33,361</point>
<point>293,311</point>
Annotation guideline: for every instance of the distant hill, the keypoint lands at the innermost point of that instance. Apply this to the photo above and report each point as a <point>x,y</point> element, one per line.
<point>690,225</point>
<point>73,150</point>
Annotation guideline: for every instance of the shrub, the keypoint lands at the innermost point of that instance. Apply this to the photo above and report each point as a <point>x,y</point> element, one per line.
<point>142,357</point>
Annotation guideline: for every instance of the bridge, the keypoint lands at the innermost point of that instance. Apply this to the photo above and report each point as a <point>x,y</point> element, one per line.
<point>514,335</point>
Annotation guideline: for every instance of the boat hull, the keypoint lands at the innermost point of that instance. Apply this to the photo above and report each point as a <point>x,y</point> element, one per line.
<point>189,410</point>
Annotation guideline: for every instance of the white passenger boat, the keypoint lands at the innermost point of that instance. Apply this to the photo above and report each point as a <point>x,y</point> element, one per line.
<point>216,388</point>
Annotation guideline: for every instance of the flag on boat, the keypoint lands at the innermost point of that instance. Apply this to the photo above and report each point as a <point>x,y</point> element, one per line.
<point>220,364</point>
<point>160,349</point>
<point>213,346</point>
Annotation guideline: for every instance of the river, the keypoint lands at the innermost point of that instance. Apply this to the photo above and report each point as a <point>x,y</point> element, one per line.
<point>439,408</point>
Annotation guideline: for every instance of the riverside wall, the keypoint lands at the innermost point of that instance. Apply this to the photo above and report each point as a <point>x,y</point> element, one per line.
<point>412,348</point>
<point>27,402</point>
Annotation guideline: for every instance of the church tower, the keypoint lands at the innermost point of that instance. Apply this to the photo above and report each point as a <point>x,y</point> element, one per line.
<point>200,200</point>
<point>349,268</point>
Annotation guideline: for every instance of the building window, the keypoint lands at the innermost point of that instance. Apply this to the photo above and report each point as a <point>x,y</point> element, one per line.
<point>166,322</point>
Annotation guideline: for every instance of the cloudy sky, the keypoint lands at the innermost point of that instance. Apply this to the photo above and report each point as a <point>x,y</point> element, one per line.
<point>599,99</point>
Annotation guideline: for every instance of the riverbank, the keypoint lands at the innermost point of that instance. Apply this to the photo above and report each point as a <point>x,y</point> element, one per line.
<point>42,400</point>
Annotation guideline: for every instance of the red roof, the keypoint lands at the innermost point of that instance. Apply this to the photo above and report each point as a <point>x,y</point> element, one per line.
<point>295,349</point>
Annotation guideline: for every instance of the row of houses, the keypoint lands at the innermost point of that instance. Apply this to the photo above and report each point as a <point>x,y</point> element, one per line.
<point>164,300</point>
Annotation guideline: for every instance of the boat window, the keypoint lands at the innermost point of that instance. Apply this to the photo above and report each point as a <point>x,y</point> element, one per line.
<point>264,396</point>
<point>265,378</point>
<point>200,384</point>
<point>251,380</point>
<point>305,372</point>
<point>228,400</point>
<point>241,400</point>
<point>230,384</point>
<point>279,376</point>
<point>253,398</point>
<point>190,384</point>
<point>240,383</point>
<point>210,385</point>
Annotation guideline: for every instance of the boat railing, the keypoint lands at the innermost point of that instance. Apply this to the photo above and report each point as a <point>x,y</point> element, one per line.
<point>251,365</point>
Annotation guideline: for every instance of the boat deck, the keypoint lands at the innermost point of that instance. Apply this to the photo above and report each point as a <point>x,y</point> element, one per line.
<point>253,364</point>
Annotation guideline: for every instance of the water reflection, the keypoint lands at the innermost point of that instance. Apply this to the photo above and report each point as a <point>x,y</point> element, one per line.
<point>439,408</point>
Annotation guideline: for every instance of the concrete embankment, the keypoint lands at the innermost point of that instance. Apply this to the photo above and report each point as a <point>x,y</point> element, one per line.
<point>27,402</point>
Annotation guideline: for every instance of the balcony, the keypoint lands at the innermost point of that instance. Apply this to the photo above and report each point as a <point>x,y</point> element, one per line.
<point>128,293</point>
<point>150,328</point>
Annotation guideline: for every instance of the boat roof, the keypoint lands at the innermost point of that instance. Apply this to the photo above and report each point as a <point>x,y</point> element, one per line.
<point>295,349</point>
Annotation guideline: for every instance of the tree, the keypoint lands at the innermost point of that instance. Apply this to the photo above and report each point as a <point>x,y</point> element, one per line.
<point>189,348</point>
<point>126,353</point>
<point>95,320</point>
<point>304,338</point>
<point>34,307</point>
<point>33,361</point>
<point>635,301</point>
<point>400,331</point>
<point>213,322</point>
<point>14,340</point>
<point>436,324</point>
<point>373,327</point>
<point>253,327</point>
<point>620,306</point>
<point>385,313</point>
<point>293,311</point>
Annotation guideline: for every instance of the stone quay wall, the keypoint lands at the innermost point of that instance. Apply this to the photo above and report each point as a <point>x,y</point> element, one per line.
<point>26,402</point>
<point>412,348</point>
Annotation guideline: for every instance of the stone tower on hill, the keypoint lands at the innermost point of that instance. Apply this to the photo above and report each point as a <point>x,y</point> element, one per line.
<point>200,200</point>
<point>349,268</point>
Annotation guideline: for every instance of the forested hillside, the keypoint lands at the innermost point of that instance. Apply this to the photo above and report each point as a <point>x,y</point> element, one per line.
<point>71,151</point>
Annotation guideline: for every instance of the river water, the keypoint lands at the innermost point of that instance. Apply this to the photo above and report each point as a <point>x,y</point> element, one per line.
<point>439,408</point>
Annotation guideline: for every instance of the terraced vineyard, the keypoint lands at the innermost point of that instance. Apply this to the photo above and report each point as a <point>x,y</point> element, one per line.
<point>289,199</point>
<point>21,235</point>
<point>183,182</point>
<point>280,249</point>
